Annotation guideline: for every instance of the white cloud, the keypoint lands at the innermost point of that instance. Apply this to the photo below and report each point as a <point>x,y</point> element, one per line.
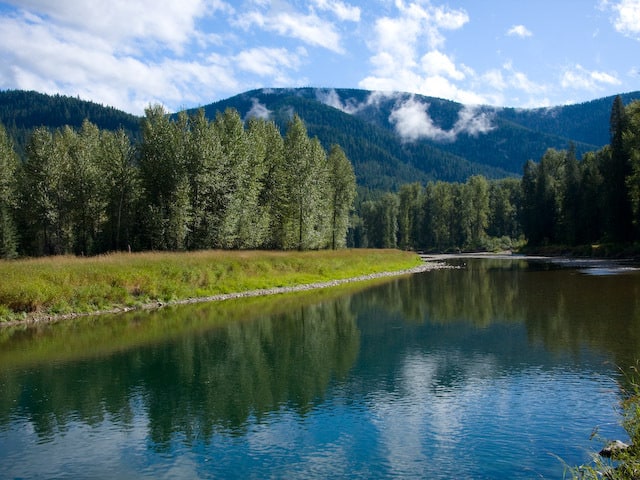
<point>627,18</point>
<point>494,79</point>
<point>437,63</point>
<point>118,22</point>
<point>408,56</point>
<point>266,62</point>
<point>126,58</point>
<point>310,28</point>
<point>339,9</point>
<point>51,59</point>
<point>520,81</point>
<point>412,122</point>
<point>519,31</point>
<point>578,77</point>
<point>258,110</point>
<point>331,98</point>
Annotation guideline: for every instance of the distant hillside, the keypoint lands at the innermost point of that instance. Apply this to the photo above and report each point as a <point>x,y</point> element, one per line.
<point>391,138</point>
<point>397,137</point>
<point>22,111</point>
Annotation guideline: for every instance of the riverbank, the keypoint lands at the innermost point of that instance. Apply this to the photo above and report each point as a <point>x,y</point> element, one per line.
<point>55,288</point>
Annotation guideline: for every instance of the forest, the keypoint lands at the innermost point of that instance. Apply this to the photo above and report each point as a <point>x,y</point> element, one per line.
<point>188,184</point>
<point>192,183</point>
<point>559,201</point>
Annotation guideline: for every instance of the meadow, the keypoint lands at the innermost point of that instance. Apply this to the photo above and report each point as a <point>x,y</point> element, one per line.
<point>61,285</point>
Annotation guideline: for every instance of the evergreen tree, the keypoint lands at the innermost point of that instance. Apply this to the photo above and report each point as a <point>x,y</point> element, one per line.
<point>591,223</point>
<point>616,169</point>
<point>440,216</point>
<point>571,200</point>
<point>234,170</point>
<point>631,144</point>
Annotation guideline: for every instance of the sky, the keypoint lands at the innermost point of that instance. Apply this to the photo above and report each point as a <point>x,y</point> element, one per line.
<point>130,54</point>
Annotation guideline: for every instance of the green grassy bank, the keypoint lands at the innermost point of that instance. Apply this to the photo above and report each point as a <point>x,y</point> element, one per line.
<point>62,285</point>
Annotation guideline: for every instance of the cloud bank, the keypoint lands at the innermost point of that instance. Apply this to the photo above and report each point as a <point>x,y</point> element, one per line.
<point>412,122</point>
<point>130,53</point>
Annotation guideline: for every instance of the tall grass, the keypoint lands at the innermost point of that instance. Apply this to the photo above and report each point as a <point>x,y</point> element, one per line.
<point>65,284</point>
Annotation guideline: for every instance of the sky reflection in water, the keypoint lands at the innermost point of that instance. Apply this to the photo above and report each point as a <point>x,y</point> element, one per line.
<point>496,370</point>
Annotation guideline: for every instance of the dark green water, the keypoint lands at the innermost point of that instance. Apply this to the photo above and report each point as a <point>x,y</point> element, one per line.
<point>497,369</point>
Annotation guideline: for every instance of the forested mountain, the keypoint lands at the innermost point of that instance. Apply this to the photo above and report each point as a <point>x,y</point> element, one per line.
<point>391,138</point>
<point>394,138</point>
<point>22,111</point>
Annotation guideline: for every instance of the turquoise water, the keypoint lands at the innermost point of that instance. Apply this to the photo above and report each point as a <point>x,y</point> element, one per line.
<point>494,369</point>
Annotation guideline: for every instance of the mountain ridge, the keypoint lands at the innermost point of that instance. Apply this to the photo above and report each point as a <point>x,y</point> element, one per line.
<point>391,137</point>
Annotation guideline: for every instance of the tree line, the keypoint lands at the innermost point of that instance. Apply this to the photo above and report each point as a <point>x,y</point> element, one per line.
<point>559,200</point>
<point>188,183</point>
<point>191,183</point>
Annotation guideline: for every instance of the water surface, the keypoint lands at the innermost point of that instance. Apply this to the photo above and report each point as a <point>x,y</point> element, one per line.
<point>494,369</point>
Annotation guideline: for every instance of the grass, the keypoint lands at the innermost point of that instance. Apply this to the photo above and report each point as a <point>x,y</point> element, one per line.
<point>64,284</point>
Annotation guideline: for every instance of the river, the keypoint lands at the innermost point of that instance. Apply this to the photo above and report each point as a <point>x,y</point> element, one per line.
<point>496,368</point>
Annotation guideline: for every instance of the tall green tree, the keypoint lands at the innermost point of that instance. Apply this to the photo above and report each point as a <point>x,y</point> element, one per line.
<point>543,188</point>
<point>43,195</point>
<point>122,189</point>
<point>380,218</point>
<point>478,191</point>
<point>203,163</point>
<point>616,170</point>
<point>275,195</point>
<point>306,180</point>
<point>254,221</point>
<point>505,201</point>
<point>571,200</point>
<point>165,206</point>
<point>631,144</point>
<point>439,215</point>
<point>8,196</point>
<point>234,170</point>
<point>591,220</point>
<point>342,192</point>
<point>86,186</point>
<point>410,211</point>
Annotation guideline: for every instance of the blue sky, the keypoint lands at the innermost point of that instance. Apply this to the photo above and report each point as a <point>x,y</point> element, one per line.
<point>131,53</point>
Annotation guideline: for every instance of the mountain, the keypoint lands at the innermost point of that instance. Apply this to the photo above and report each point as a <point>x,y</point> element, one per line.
<point>21,111</point>
<point>391,138</point>
<point>395,138</point>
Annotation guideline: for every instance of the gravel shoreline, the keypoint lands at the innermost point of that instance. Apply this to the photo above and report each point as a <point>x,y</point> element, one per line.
<point>43,319</point>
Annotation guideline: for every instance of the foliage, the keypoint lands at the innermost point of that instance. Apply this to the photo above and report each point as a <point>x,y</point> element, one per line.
<point>194,183</point>
<point>476,215</point>
<point>8,197</point>
<point>190,183</point>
